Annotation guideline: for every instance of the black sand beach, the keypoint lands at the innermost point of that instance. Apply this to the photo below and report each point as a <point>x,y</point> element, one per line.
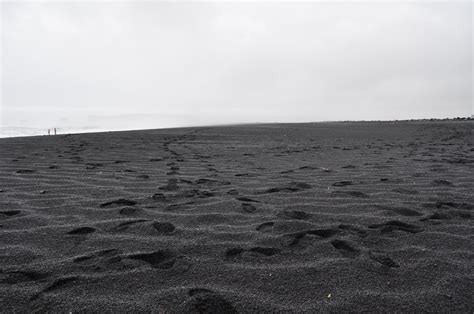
<point>325,217</point>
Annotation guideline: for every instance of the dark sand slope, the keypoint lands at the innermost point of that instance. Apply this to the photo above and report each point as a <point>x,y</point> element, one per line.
<point>337,217</point>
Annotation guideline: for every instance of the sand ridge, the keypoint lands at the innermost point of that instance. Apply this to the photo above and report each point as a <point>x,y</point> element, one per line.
<point>326,217</point>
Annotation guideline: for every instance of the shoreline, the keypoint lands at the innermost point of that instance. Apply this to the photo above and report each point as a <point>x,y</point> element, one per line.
<point>87,131</point>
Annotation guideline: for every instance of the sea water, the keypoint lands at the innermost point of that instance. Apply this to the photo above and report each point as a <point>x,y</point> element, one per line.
<point>24,131</point>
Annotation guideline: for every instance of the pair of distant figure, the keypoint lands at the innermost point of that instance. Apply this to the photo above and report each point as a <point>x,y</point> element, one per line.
<point>49,131</point>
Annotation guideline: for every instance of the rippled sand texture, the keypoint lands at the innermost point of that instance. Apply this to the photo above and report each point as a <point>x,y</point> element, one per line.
<point>292,217</point>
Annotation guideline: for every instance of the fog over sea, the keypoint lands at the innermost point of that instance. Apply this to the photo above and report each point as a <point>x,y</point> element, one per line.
<point>11,126</point>
<point>22,131</point>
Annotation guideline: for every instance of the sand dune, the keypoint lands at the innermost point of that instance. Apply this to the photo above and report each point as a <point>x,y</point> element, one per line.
<point>327,217</point>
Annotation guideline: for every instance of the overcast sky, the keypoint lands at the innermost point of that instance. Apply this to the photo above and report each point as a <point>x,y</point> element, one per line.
<point>160,64</point>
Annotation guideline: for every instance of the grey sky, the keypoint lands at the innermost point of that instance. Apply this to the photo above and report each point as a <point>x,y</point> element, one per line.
<point>190,63</point>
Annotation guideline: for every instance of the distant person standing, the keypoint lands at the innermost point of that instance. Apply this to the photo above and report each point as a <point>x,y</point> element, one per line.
<point>49,131</point>
<point>54,131</point>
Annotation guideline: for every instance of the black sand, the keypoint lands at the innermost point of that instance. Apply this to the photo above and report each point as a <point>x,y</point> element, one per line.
<point>341,217</point>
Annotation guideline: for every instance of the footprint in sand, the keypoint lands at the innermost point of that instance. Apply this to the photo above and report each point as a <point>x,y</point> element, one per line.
<point>342,183</point>
<point>20,276</point>
<point>346,248</point>
<point>178,206</point>
<point>206,301</point>
<point>234,252</point>
<point>292,239</point>
<point>349,167</point>
<point>10,213</point>
<point>267,251</point>
<point>211,182</point>
<point>127,211</point>
<point>291,187</point>
<point>442,183</point>
<point>164,227</point>
<point>124,225</point>
<point>237,251</point>
<point>265,227</point>
<point>119,202</point>
<point>60,283</point>
<point>294,214</point>
<point>162,259</point>
<point>82,231</point>
<point>396,225</point>
<point>94,165</point>
<point>405,191</point>
<point>383,259</point>
<point>171,186</point>
<point>57,284</point>
<point>246,199</point>
<point>121,161</point>
<point>447,204</point>
<point>160,197</point>
<point>248,208</point>
<point>351,193</point>
<point>356,230</point>
<point>438,216</point>
<point>243,175</point>
<point>400,210</point>
<point>25,171</point>
<point>323,233</point>
<point>196,193</point>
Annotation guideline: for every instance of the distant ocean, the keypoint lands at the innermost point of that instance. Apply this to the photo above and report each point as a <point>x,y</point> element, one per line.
<point>21,131</point>
<point>96,123</point>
